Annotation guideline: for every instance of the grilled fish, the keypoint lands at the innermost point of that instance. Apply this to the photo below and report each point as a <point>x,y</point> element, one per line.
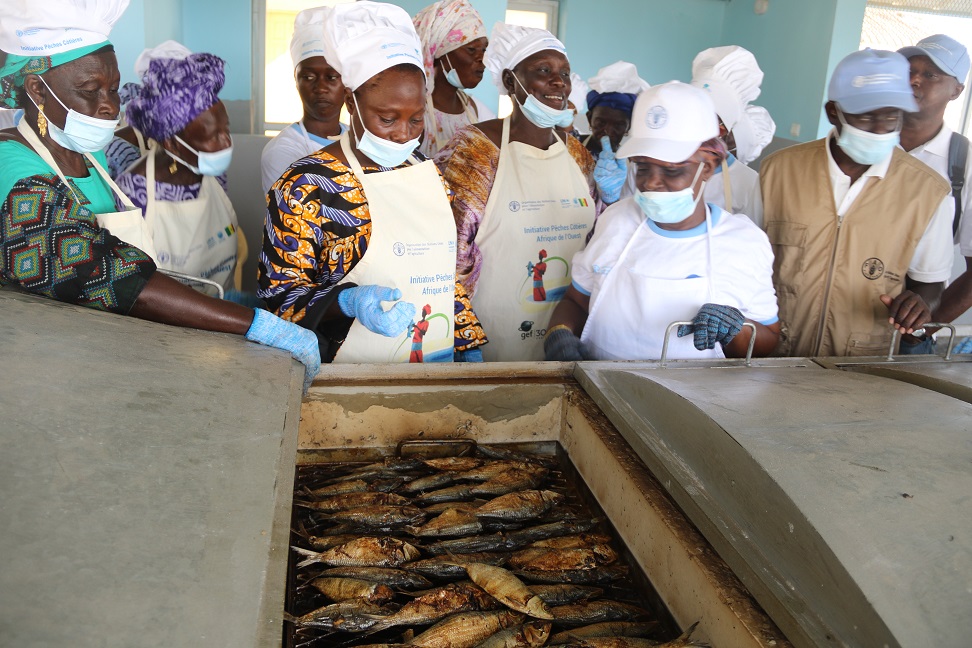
<point>357,485</point>
<point>450,494</point>
<point>552,530</point>
<point>524,505</point>
<point>379,516</point>
<point>683,641</point>
<point>466,629</point>
<point>363,552</point>
<point>450,523</point>
<point>607,629</point>
<point>563,594</point>
<point>494,469</point>
<point>355,615</point>
<point>446,568</point>
<point>354,500</point>
<point>576,541</point>
<point>322,543</point>
<point>595,612</point>
<point>598,576</point>
<point>531,634</point>
<point>342,589</point>
<point>438,480</point>
<point>453,464</point>
<point>442,507</point>
<point>472,544</point>
<point>506,588</point>
<point>438,604</point>
<point>385,575</point>
<point>540,558</point>
<point>493,452</point>
<point>508,482</point>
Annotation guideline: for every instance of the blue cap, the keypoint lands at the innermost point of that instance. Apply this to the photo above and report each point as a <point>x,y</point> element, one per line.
<point>870,80</point>
<point>946,53</point>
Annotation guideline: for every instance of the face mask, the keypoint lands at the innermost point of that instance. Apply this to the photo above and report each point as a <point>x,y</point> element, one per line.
<point>81,133</point>
<point>864,147</point>
<point>541,114</point>
<point>670,206</point>
<point>452,76</point>
<point>384,152</point>
<point>213,163</point>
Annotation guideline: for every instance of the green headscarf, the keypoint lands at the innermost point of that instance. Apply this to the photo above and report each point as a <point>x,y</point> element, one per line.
<point>16,68</point>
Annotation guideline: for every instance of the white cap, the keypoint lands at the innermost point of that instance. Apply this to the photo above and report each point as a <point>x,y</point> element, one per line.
<point>753,132</point>
<point>308,38</point>
<point>732,77</point>
<point>511,44</point>
<point>45,27</point>
<point>620,76</point>
<point>362,39</point>
<point>670,122</point>
<point>170,49</point>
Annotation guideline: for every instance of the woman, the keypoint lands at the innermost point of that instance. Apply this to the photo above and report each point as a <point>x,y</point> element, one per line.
<point>321,95</point>
<point>520,187</point>
<point>179,184</point>
<point>453,45</point>
<point>365,220</point>
<point>664,255</point>
<point>61,234</point>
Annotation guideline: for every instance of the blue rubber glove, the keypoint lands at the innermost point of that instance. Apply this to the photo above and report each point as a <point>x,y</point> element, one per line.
<point>270,330</point>
<point>469,355</point>
<point>964,345</point>
<point>610,173</point>
<point>713,323</point>
<point>364,304</point>
<point>562,346</point>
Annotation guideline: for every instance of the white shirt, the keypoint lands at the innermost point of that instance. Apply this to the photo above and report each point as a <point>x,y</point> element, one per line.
<point>934,153</point>
<point>932,260</point>
<point>9,117</point>
<point>742,257</point>
<point>744,183</point>
<point>288,146</point>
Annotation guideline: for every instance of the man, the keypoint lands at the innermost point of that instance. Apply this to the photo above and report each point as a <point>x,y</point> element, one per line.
<point>939,68</point>
<point>860,229</point>
<point>732,78</point>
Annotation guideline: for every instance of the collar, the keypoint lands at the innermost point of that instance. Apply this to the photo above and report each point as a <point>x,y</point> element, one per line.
<point>878,170</point>
<point>937,145</point>
<point>714,213</point>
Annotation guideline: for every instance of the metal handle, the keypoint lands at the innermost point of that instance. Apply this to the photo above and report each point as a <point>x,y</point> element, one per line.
<point>189,280</point>
<point>674,325</point>
<point>948,350</point>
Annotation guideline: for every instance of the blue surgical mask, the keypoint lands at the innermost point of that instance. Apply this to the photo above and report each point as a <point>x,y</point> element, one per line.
<point>452,76</point>
<point>864,147</point>
<point>670,206</point>
<point>541,114</point>
<point>81,133</point>
<point>384,152</point>
<point>211,163</point>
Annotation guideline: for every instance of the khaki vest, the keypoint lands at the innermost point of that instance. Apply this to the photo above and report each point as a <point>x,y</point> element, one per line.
<point>829,278</point>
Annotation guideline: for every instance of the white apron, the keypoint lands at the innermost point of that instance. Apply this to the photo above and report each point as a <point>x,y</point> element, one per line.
<point>540,201</point>
<point>127,225</point>
<point>629,317</point>
<point>412,248</point>
<point>199,237</point>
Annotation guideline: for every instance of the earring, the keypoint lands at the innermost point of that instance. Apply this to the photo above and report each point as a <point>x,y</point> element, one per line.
<point>41,121</point>
<point>173,168</point>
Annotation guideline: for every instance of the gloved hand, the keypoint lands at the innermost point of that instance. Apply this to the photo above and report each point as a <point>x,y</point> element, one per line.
<point>248,299</point>
<point>364,304</point>
<point>469,355</point>
<point>713,323</point>
<point>561,345</point>
<point>610,173</point>
<point>270,330</point>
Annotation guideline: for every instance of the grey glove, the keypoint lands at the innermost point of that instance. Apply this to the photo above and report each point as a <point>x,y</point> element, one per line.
<point>713,323</point>
<point>562,346</point>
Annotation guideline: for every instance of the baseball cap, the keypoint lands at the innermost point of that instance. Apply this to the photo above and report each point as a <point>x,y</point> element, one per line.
<point>946,53</point>
<point>872,79</point>
<point>669,122</point>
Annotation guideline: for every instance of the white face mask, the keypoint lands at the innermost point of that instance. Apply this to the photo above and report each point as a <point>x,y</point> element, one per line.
<point>670,206</point>
<point>864,147</point>
<point>385,152</point>
<point>452,76</point>
<point>542,115</point>
<point>211,163</point>
<point>81,133</point>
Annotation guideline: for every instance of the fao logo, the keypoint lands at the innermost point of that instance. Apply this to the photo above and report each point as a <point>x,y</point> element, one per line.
<point>873,268</point>
<point>514,206</point>
<point>398,249</point>
<point>656,117</point>
<point>163,257</point>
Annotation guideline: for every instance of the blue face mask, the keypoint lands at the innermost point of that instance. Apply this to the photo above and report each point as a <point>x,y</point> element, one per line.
<point>670,206</point>
<point>452,76</point>
<point>384,152</point>
<point>864,147</point>
<point>81,133</point>
<point>211,163</point>
<point>541,114</point>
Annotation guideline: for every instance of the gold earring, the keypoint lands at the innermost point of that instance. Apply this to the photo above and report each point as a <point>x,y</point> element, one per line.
<point>41,121</point>
<point>173,168</point>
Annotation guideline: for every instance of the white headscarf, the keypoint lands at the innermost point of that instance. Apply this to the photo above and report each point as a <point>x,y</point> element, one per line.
<point>362,39</point>
<point>46,27</point>
<point>170,49</point>
<point>511,44</point>
<point>308,38</point>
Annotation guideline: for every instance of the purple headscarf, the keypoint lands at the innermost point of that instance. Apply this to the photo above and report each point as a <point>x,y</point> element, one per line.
<point>174,92</point>
<point>623,101</point>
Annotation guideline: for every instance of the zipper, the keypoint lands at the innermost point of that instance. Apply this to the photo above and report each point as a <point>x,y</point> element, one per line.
<point>830,278</point>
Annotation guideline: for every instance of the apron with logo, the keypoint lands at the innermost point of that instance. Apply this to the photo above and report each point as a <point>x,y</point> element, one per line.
<point>198,237</point>
<point>540,203</point>
<point>127,225</point>
<point>628,318</point>
<point>412,248</point>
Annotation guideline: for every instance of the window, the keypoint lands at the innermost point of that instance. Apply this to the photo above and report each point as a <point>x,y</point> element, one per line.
<point>893,24</point>
<point>541,14</point>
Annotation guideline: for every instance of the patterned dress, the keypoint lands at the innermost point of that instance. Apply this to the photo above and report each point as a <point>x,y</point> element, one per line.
<point>50,240</point>
<point>469,164</point>
<point>317,229</point>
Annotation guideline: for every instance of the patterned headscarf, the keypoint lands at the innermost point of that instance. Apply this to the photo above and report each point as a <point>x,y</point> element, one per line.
<point>443,27</point>
<point>174,92</point>
<point>16,68</point>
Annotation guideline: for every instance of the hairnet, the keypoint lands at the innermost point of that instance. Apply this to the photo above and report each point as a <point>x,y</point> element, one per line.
<point>509,45</point>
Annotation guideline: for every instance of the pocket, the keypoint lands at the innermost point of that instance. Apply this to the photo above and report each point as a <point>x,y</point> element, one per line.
<point>868,344</point>
<point>789,241</point>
